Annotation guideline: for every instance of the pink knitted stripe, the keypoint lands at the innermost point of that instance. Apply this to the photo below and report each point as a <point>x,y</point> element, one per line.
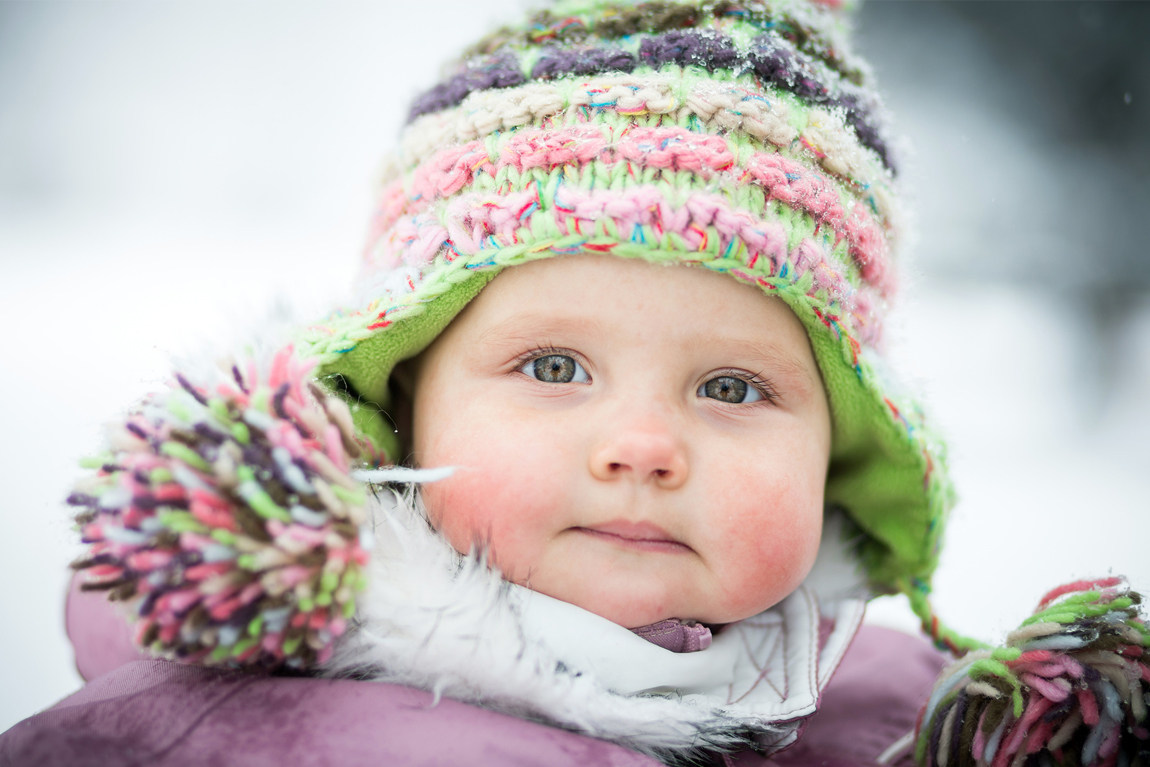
<point>477,222</point>
<point>671,148</point>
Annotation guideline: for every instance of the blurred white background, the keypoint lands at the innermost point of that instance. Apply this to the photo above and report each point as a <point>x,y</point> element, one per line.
<point>168,169</point>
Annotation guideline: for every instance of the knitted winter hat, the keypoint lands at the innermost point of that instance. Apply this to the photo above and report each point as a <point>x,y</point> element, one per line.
<point>742,138</point>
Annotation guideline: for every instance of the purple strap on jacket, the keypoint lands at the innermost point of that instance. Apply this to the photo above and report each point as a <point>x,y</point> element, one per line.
<point>676,635</point>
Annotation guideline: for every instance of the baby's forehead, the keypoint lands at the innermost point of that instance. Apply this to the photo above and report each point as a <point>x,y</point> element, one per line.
<point>591,288</point>
<point>637,305</point>
<point>599,281</point>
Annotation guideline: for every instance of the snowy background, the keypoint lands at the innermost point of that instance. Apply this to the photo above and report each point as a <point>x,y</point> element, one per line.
<point>167,169</point>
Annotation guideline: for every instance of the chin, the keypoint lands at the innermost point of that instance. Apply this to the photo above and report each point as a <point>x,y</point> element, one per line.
<point>635,616</point>
<point>632,607</point>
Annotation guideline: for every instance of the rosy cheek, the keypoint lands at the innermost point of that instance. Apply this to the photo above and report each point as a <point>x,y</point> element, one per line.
<point>466,507</point>
<point>494,511</point>
<point>462,523</point>
<point>768,574</point>
<point>786,560</point>
<point>767,547</point>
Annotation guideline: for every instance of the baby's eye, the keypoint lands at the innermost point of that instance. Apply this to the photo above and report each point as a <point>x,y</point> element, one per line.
<point>730,389</point>
<point>555,368</point>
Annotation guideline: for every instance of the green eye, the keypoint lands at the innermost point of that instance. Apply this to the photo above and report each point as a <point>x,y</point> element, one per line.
<point>729,389</point>
<point>555,368</point>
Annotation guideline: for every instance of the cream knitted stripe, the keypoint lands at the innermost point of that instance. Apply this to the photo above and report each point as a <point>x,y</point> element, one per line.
<point>717,105</point>
<point>765,115</point>
<point>521,157</point>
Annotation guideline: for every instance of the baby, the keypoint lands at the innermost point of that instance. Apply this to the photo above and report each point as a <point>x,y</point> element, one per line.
<point>626,280</point>
<point>605,444</point>
<point>617,340</point>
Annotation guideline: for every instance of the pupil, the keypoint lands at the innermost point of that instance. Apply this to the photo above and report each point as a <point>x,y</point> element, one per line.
<point>726,389</point>
<point>555,368</point>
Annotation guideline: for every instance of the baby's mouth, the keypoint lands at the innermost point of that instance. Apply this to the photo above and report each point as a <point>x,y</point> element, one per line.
<point>641,536</point>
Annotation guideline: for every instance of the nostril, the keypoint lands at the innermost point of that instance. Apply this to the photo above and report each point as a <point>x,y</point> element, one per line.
<point>658,459</point>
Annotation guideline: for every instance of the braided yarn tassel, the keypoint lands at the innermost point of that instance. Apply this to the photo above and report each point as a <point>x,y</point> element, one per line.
<point>227,517</point>
<point>1070,687</point>
<point>944,638</point>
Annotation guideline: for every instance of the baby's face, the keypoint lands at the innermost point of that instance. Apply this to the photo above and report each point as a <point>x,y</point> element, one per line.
<point>643,441</point>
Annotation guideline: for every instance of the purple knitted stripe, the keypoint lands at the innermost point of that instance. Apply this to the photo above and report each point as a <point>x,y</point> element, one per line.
<point>778,65</point>
<point>690,48</point>
<point>770,61</point>
<point>558,62</point>
<point>863,121</point>
<point>651,17</point>
<point>498,72</point>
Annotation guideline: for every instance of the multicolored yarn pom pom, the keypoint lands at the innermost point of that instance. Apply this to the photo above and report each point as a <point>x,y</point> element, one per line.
<point>227,515</point>
<point>1070,687</point>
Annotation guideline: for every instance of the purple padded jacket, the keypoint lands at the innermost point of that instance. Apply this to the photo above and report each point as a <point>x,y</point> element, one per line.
<point>138,711</point>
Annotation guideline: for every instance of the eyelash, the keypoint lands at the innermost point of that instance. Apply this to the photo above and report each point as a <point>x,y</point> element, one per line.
<point>547,351</point>
<point>762,385</point>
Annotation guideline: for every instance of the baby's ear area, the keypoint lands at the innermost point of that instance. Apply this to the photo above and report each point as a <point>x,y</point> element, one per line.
<point>401,406</point>
<point>226,516</point>
<point>403,377</point>
<point>378,425</point>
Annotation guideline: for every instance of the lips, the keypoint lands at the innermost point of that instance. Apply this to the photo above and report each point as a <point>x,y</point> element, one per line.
<point>641,536</point>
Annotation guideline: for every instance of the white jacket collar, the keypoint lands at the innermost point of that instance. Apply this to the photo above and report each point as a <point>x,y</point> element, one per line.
<point>434,619</point>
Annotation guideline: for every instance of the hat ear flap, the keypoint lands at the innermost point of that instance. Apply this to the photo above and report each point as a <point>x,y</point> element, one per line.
<point>227,517</point>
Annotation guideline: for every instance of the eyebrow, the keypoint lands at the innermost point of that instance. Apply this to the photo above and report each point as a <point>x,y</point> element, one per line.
<point>533,324</point>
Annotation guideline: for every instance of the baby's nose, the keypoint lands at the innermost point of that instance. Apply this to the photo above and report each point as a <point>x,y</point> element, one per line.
<point>642,456</point>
